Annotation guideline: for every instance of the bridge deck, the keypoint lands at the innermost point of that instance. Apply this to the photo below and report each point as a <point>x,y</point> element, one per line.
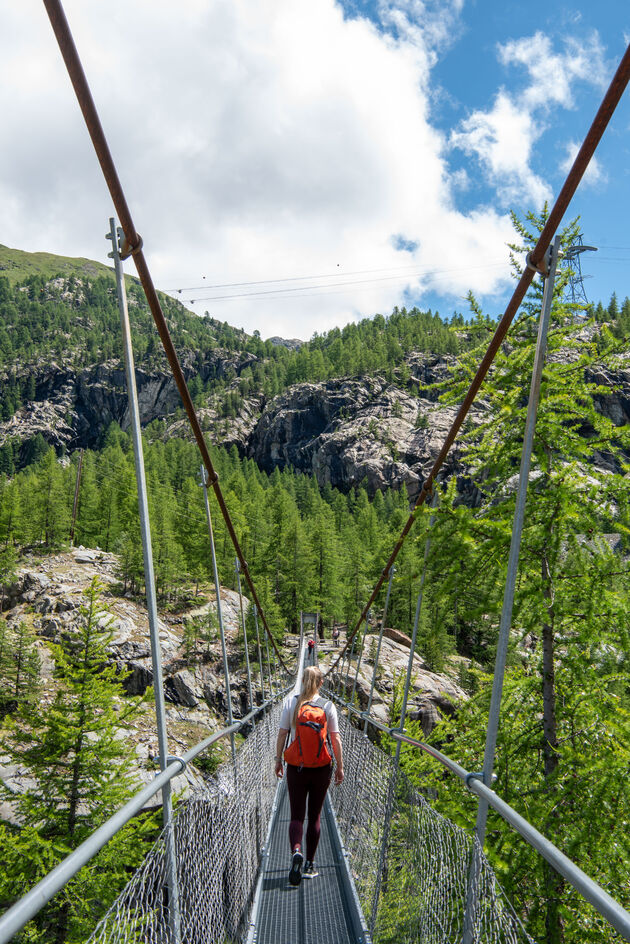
<point>320,910</point>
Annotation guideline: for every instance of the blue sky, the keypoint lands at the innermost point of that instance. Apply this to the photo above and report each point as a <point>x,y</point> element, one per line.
<point>295,164</point>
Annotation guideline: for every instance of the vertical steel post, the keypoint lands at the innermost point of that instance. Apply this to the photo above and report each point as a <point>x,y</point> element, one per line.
<point>75,503</point>
<point>505,624</point>
<point>403,716</point>
<point>392,571</point>
<point>260,658</point>
<point>361,648</point>
<point>517,530</point>
<point>217,590</point>
<point>347,682</point>
<point>269,676</point>
<point>240,597</point>
<point>149,580</point>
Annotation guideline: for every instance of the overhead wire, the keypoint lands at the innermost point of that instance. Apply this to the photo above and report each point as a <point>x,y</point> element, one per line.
<point>294,291</point>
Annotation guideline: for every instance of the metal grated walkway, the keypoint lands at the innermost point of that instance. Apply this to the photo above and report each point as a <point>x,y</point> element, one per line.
<point>322,910</point>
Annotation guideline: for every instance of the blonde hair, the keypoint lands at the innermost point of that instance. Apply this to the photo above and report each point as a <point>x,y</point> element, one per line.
<point>311,683</point>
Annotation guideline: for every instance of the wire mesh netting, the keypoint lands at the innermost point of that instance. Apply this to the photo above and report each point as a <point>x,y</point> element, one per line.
<point>422,878</point>
<point>410,865</point>
<point>219,833</point>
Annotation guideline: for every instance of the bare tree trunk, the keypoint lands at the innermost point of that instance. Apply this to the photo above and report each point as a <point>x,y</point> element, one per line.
<point>554,883</point>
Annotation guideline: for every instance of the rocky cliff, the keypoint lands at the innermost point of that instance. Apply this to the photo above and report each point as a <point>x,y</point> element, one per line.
<point>345,431</point>
<point>47,595</point>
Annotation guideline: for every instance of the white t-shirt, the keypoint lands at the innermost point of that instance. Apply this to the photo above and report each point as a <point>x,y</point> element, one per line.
<point>288,707</point>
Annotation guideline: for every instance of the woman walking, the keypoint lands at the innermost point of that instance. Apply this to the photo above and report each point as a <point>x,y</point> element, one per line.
<point>308,720</point>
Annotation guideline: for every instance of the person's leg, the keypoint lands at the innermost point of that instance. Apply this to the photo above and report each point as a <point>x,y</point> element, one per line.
<point>296,784</point>
<point>297,799</point>
<point>319,780</point>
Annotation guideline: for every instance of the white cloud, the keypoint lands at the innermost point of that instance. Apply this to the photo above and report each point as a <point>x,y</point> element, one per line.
<point>593,175</point>
<point>254,140</point>
<point>503,137</point>
<point>552,75</point>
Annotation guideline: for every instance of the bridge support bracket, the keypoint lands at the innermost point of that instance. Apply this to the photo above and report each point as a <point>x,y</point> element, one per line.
<point>473,775</point>
<point>176,759</point>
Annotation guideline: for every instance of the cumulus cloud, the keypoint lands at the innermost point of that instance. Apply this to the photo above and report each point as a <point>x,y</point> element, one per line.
<point>593,175</point>
<point>502,138</point>
<point>260,141</point>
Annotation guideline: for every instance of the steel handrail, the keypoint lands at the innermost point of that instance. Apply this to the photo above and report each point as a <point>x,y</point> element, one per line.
<point>14,919</point>
<point>604,903</point>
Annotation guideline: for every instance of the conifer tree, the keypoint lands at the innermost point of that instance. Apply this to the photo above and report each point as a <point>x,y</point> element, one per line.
<point>80,768</point>
<point>569,609</point>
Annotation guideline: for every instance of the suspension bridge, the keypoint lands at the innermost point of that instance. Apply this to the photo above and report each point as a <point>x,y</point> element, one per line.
<point>392,869</point>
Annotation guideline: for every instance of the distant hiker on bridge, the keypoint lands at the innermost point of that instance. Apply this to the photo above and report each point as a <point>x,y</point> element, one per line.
<point>335,635</point>
<point>310,721</point>
<point>310,656</point>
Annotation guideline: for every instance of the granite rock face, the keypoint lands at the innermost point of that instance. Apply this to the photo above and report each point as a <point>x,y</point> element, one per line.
<point>47,595</point>
<point>72,408</point>
<point>348,432</point>
<point>432,694</point>
<point>345,431</point>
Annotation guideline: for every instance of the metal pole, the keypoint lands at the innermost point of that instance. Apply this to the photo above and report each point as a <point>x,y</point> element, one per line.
<point>260,659</point>
<point>362,647</point>
<point>392,571</point>
<point>240,596</point>
<point>350,655</point>
<point>269,675</point>
<point>75,503</point>
<point>510,583</point>
<point>149,579</point>
<point>217,589</point>
<point>517,530</point>
<point>403,716</point>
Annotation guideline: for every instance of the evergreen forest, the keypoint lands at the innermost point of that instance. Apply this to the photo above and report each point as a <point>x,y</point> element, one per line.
<point>563,754</point>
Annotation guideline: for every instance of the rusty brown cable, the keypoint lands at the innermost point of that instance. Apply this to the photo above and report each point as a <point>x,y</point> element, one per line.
<point>585,153</point>
<point>133,246</point>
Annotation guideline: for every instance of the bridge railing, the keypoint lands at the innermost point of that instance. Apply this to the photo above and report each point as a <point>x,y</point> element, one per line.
<point>14,919</point>
<point>363,840</point>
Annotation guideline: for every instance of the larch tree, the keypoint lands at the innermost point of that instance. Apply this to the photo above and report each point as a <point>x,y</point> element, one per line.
<point>80,768</point>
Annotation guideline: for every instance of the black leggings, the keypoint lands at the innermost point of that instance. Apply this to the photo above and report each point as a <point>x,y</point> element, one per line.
<point>311,782</point>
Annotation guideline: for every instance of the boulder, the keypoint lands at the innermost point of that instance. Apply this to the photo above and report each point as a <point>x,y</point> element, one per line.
<point>431,694</point>
<point>181,687</point>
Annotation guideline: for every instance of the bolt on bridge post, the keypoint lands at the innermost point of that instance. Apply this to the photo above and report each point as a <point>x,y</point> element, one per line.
<point>149,579</point>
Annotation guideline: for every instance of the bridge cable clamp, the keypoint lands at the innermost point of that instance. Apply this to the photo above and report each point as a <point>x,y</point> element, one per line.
<point>174,758</point>
<point>126,249</point>
<point>473,775</point>
<point>544,264</point>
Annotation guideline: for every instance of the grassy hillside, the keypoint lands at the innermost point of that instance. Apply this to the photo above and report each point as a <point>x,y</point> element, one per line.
<point>17,266</point>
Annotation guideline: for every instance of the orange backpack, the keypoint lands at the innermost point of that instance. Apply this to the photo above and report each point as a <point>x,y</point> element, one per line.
<point>309,748</point>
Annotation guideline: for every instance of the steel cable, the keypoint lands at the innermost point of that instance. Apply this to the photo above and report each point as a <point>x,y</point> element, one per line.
<point>133,246</point>
<point>584,155</point>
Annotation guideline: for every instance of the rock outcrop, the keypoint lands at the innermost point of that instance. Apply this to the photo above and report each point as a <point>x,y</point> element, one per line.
<point>47,595</point>
<point>432,695</point>
<point>348,432</point>
<point>344,432</point>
